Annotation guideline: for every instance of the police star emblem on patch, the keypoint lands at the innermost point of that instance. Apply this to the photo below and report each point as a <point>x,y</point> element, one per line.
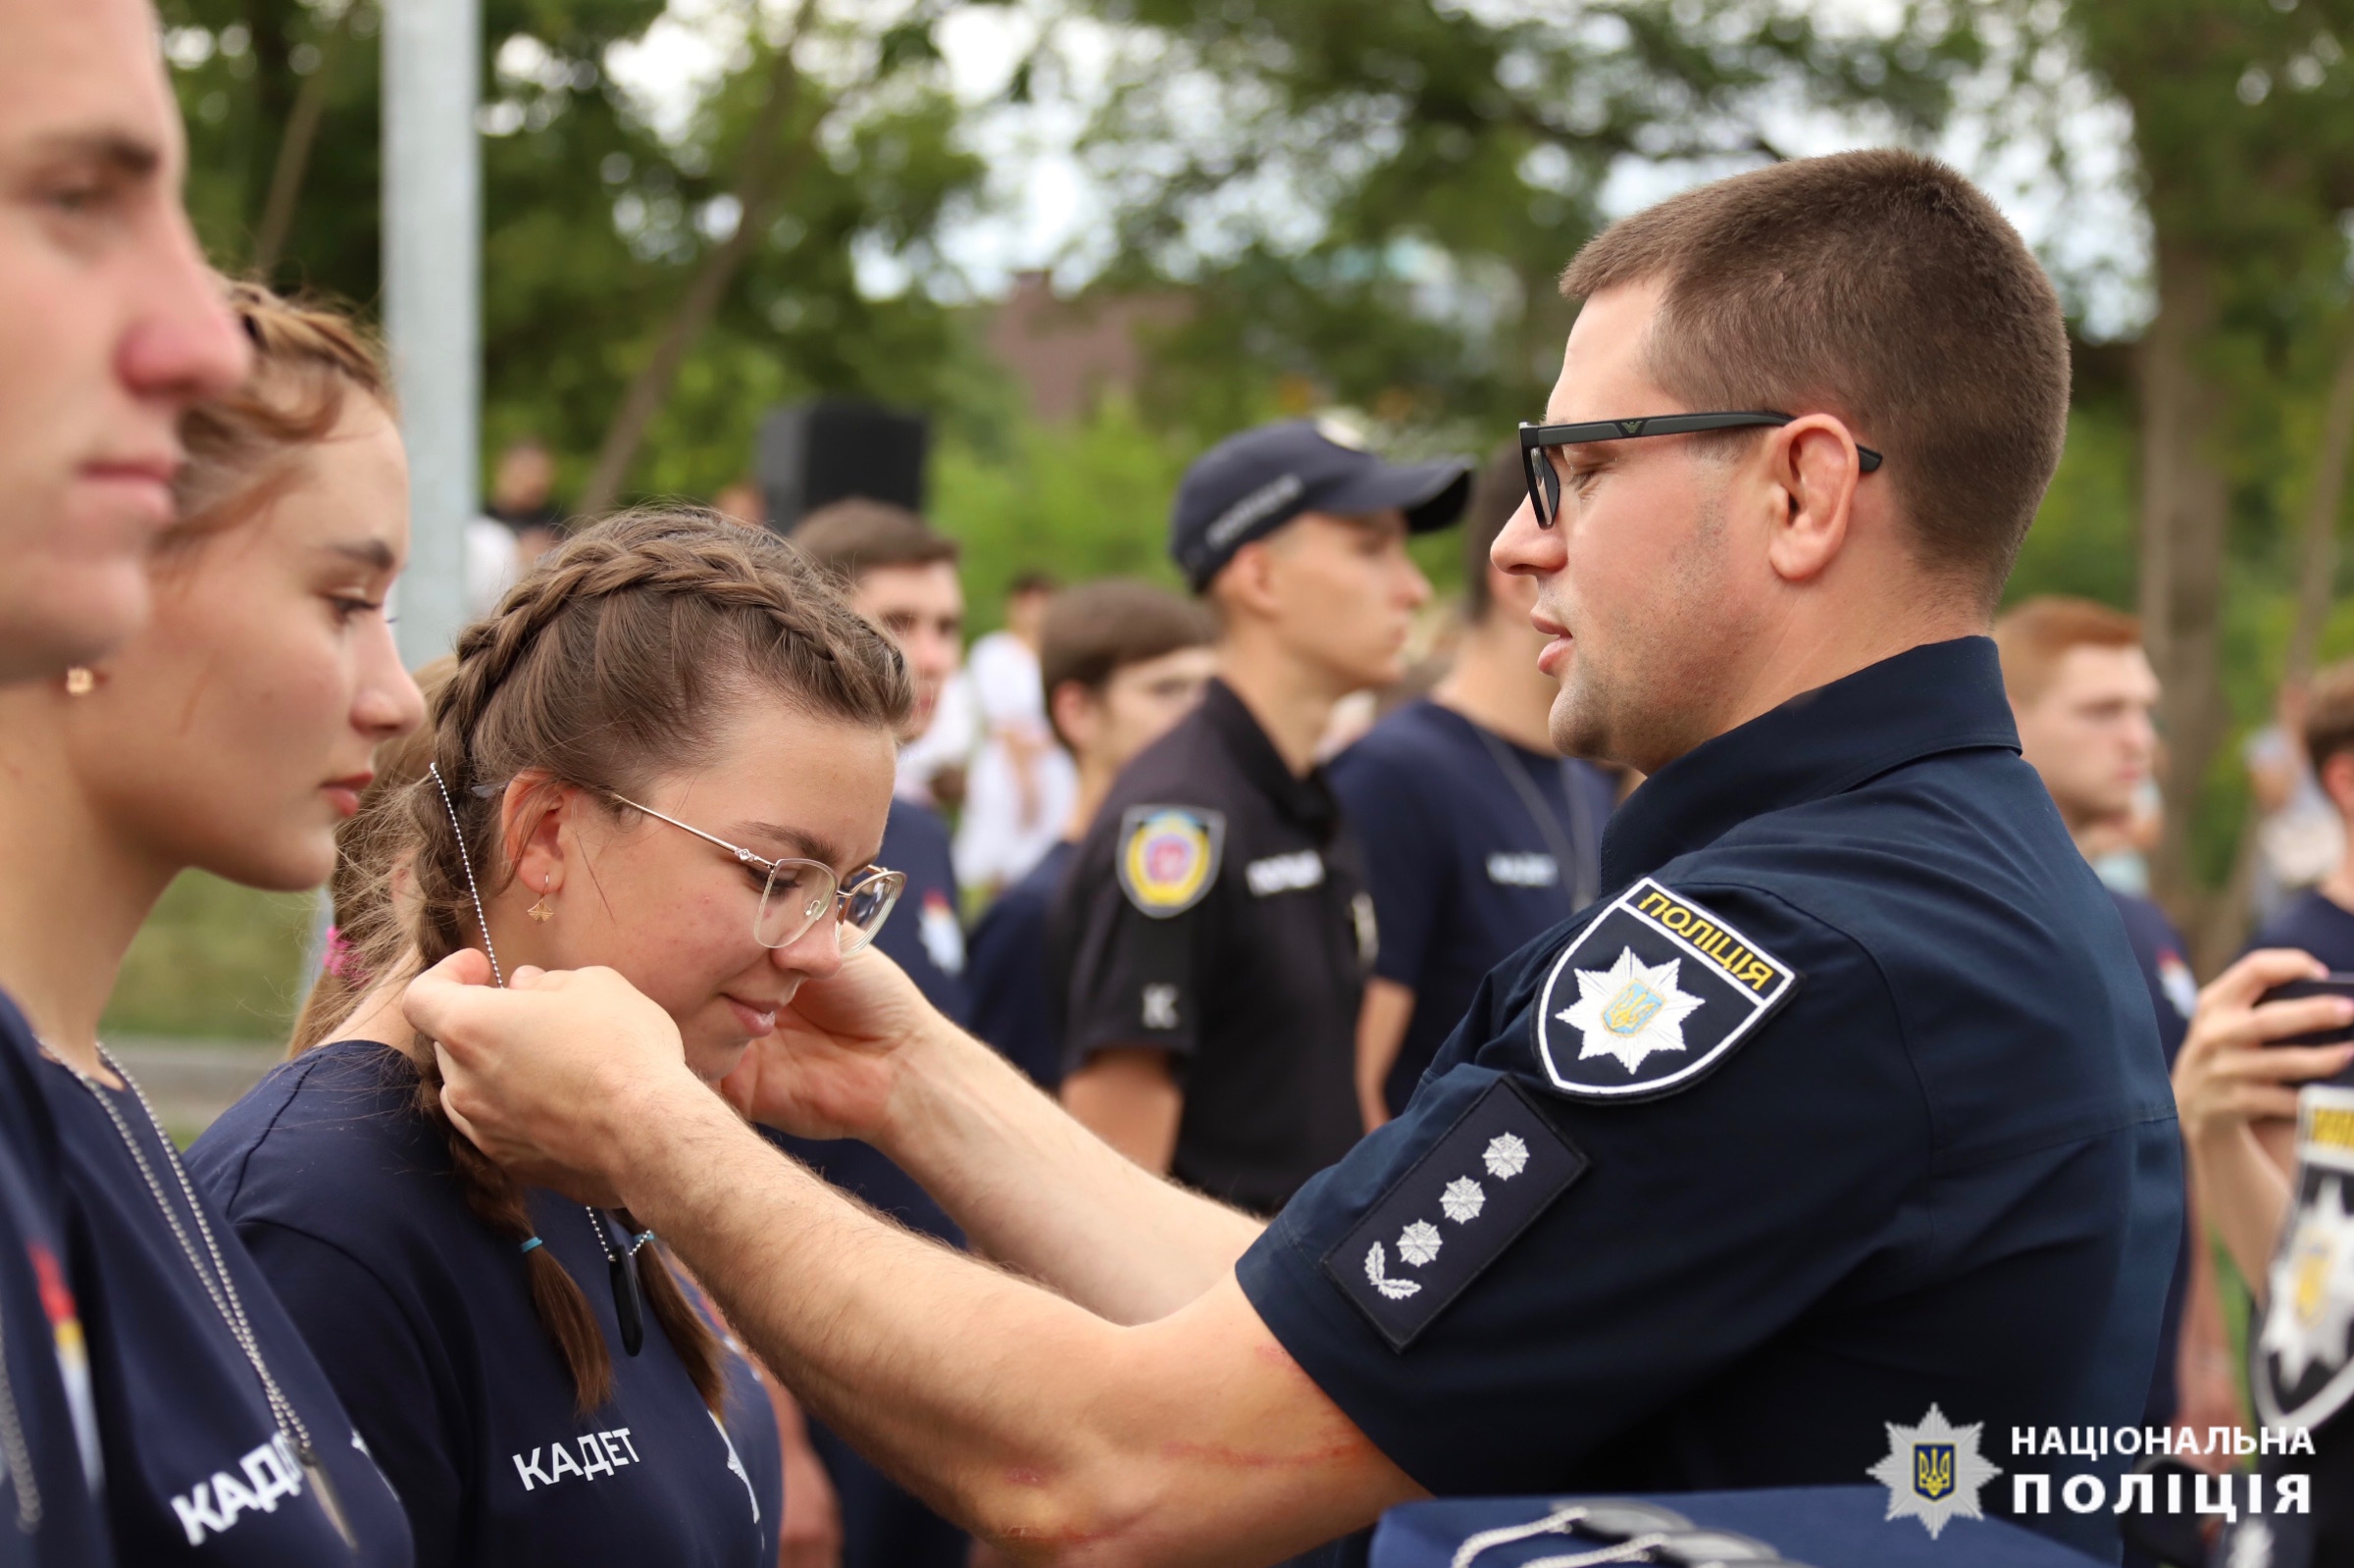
<point>1933,1472</point>
<point>1665,990</point>
<point>1169,857</point>
<point>2305,1350</point>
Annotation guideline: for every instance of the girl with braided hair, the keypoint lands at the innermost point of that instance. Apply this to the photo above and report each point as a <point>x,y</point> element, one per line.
<point>668,753</point>
<point>233,735</point>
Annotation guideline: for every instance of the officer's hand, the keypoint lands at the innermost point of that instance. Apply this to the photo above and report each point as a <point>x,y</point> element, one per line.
<point>549,1076</point>
<point>840,1050</point>
<point>2226,1075</point>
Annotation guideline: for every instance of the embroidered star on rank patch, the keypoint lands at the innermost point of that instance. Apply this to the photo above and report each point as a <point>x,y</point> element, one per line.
<point>1453,1212</point>
<point>1651,996</point>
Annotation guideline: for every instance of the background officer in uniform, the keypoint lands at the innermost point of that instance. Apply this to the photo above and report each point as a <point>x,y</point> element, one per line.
<point>1119,663</point>
<point>1214,935</point>
<point>1478,833</point>
<point>1841,1112</point>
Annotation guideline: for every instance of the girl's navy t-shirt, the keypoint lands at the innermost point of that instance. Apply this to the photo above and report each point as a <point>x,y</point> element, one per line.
<point>423,1316</point>
<point>196,1467</point>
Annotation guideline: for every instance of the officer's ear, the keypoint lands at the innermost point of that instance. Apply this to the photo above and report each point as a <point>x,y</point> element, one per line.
<point>1810,474</point>
<point>1247,584</point>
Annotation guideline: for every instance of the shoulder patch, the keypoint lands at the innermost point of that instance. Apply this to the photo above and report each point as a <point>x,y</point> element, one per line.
<point>2304,1350</point>
<point>1454,1211</point>
<point>1651,996</point>
<point>1168,856</point>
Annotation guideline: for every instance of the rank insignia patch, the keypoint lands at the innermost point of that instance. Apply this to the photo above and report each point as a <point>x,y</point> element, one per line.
<point>2304,1371</point>
<point>1169,856</point>
<point>1651,996</point>
<point>1452,1213</point>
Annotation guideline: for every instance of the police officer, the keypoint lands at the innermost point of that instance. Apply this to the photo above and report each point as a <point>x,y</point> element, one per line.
<point>1215,932</point>
<point>1482,835</point>
<point>1831,1140</point>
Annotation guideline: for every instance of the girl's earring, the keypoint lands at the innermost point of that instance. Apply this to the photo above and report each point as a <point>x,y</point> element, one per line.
<point>542,911</point>
<point>81,681</point>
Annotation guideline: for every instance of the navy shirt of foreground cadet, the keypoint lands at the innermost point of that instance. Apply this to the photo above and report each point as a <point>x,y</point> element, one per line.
<point>2314,923</point>
<point>1843,1111</point>
<point>423,1316</point>
<point>50,1504</point>
<point>1012,1009</point>
<point>201,1467</point>
<point>1467,862</point>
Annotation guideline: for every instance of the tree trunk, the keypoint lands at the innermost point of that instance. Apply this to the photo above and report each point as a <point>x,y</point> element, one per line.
<point>2223,924</point>
<point>294,152</point>
<point>2185,514</point>
<point>760,176</point>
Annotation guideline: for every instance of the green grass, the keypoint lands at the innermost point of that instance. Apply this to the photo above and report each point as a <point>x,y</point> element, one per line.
<point>215,962</point>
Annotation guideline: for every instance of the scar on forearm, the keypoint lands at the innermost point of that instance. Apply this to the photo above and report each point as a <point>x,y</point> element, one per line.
<point>1227,1456</point>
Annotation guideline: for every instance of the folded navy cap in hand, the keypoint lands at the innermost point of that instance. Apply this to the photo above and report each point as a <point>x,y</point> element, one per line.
<point>1250,484</point>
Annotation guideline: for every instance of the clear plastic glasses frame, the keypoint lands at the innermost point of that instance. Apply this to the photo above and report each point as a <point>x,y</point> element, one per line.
<point>799,893</point>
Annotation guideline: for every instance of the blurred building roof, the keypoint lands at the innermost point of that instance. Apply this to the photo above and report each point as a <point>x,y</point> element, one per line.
<point>1068,353</point>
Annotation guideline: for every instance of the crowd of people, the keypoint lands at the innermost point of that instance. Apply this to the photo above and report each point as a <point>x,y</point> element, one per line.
<point>1705,1020</point>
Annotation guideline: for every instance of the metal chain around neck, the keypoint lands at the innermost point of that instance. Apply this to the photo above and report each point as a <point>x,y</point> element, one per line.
<point>465,863</point>
<point>216,1282</point>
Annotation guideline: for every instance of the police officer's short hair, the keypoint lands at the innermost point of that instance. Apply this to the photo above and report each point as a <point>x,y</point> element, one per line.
<point>2035,634</point>
<point>1881,286</point>
<point>855,537</point>
<point>2330,712</point>
<point>1497,493</point>
<point>1095,630</point>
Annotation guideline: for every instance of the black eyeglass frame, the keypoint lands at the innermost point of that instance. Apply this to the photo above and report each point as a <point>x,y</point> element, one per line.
<point>1545,481</point>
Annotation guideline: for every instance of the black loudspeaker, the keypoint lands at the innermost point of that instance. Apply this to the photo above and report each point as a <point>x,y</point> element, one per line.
<point>810,454</point>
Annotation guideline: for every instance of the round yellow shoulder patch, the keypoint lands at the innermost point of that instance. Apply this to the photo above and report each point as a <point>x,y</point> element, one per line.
<point>1169,857</point>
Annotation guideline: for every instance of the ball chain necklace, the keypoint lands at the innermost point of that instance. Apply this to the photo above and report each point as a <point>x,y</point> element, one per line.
<point>629,1295</point>
<point>218,1284</point>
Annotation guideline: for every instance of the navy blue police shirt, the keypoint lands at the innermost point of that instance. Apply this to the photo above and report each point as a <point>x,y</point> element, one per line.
<point>925,938</point>
<point>423,1317</point>
<point>50,1464</point>
<point>1843,1106</point>
<point>1462,868</point>
<point>1013,1008</point>
<point>2173,995</point>
<point>200,1468</point>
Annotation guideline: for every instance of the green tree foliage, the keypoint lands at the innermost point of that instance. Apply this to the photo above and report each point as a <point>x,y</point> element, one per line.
<point>592,221</point>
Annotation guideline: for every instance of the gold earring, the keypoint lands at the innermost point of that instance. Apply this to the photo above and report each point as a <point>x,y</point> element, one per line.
<point>540,911</point>
<point>81,681</point>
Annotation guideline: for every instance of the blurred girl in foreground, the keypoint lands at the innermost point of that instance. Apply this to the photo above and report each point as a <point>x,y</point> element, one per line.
<point>670,752</point>
<point>233,736</point>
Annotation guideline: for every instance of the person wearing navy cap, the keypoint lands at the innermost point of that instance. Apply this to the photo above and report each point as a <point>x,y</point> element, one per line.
<point>1214,932</point>
<point>1831,1143</point>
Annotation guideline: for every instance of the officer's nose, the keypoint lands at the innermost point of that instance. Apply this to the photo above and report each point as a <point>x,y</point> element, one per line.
<point>1524,548</point>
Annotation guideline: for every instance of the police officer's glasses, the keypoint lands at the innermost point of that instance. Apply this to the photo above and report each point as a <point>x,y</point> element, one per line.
<point>796,895</point>
<point>1545,479</point>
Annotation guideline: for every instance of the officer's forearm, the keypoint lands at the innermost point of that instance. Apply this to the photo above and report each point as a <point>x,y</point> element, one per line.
<point>1035,1190</point>
<point>1036,1424</point>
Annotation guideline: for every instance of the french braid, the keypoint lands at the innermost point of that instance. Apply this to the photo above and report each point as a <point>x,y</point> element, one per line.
<point>605,666</point>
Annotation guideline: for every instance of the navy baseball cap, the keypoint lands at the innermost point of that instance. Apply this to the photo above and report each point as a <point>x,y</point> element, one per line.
<point>1249,485</point>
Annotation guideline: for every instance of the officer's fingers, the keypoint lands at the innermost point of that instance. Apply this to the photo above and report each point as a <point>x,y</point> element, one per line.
<point>2256,1102</point>
<point>2259,972</point>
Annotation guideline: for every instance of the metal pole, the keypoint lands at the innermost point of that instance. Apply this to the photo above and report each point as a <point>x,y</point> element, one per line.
<point>433,222</point>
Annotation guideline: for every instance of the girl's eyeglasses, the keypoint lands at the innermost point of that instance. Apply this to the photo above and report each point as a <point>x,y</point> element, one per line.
<point>799,893</point>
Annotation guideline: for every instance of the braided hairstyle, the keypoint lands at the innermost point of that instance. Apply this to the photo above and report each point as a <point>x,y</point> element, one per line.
<point>608,664</point>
